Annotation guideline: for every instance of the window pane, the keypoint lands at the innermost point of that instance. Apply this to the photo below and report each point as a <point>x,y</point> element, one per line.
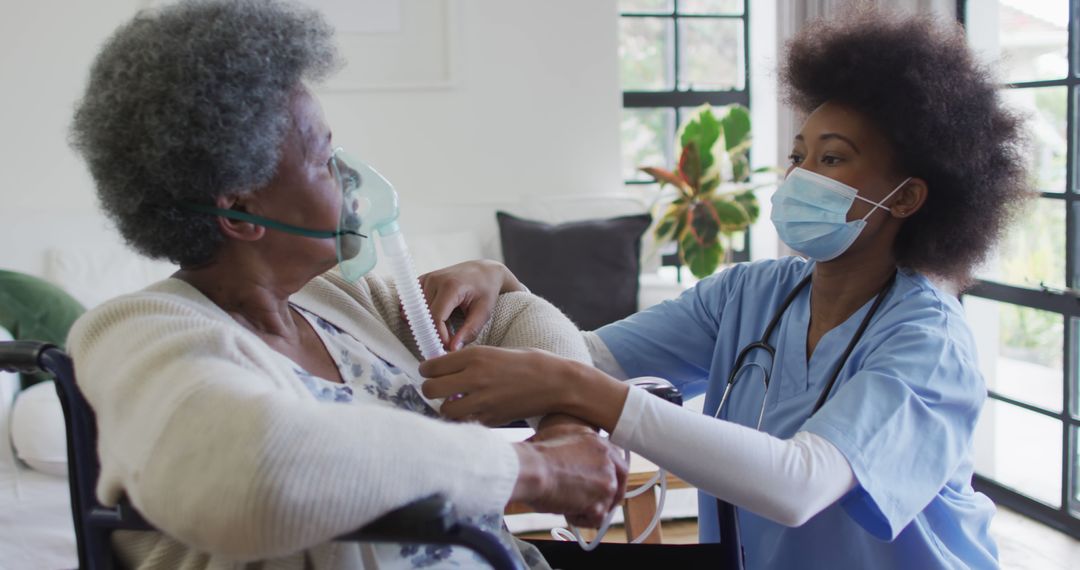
<point>1033,250</point>
<point>1076,468</point>
<point>1020,350</point>
<point>1076,379</point>
<point>646,54</point>
<point>711,7</point>
<point>1028,38</point>
<point>712,54</point>
<point>642,6</point>
<point>647,138</point>
<point>1020,449</point>
<point>1045,110</point>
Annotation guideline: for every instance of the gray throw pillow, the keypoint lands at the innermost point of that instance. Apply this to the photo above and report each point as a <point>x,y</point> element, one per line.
<point>587,269</point>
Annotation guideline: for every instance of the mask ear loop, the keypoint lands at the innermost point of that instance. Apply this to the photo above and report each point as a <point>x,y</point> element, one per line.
<point>883,200</point>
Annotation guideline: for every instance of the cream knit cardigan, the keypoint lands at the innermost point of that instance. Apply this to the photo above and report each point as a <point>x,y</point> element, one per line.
<point>209,434</point>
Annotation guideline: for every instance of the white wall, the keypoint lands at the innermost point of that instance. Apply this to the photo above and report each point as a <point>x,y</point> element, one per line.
<point>533,110</point>
<point>764,109</point>
<point>45,51</point>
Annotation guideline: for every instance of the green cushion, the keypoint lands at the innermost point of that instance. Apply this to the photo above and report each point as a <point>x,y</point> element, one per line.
<point>34,309</point>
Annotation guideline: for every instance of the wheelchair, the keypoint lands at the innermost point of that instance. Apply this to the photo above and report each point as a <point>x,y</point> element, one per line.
<point>431,520</point>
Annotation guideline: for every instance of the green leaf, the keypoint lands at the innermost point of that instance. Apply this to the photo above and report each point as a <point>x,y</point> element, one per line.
<point>737,141</point>
<point>731,214</point>
<point>749,203</point>
<point>740,168</point>
<point>664,229</point>
<point>736,126</point>
<point>669,222</point>
<point>740,161</point>
<point>741,148</point>
<point>703,129</point>
<point>689,247</point>
<point>705,264</point>
<point>709,185</point>
<point>673,222</point>
<point>702,259</point>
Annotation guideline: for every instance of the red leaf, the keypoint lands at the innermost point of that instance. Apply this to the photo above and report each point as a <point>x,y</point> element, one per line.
<point>665,177</point>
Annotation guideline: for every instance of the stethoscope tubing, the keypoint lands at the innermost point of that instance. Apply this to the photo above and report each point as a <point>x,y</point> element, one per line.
<point>762,344</point>
<point>727,517</point>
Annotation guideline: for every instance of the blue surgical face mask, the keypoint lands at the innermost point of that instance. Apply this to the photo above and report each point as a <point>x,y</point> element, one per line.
<point>368,203</point>
<point>810,214</point>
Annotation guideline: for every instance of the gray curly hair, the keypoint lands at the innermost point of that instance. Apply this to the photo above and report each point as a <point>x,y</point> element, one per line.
<point>189,103</point>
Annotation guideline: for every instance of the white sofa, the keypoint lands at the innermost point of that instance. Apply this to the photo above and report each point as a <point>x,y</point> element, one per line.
<point>34,510</point>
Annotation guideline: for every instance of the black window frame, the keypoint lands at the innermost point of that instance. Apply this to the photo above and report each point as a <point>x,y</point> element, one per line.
<point>1065,302</point>
<point>677,99</point>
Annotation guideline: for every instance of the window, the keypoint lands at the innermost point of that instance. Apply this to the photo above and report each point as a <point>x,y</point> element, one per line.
<point>676,55</point>
<point>1025,309</point>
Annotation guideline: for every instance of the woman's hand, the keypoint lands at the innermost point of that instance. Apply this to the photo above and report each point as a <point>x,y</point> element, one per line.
<point>500,385</point>
<point>576,473</point>
<point>472,287</point>
<point>497,385</point>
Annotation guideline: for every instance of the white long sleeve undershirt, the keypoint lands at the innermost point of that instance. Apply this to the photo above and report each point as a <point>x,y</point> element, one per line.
<point>787,481</point>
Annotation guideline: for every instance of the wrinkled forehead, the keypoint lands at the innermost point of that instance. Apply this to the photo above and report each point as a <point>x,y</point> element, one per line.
<point>309,124</point>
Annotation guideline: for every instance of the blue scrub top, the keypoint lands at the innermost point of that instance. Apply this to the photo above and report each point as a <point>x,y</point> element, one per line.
<point>902,412</point>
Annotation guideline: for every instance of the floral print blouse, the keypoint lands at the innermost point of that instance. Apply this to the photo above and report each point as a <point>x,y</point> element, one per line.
<point>369,378</point>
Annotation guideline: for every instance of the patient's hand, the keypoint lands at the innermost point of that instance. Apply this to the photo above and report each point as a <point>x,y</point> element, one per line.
<point>575,473</point>
<point>472,287</point>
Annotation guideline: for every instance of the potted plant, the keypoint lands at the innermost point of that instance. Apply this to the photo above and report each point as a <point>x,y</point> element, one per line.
<point>714,198</point>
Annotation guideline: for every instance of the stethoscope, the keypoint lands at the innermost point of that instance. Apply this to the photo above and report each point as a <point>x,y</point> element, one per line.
<point>726,515</point>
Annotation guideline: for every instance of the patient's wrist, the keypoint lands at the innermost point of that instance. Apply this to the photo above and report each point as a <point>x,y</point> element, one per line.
<point>532,474</point>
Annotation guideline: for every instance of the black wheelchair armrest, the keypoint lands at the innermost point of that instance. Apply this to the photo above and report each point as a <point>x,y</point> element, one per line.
<point>121,517</point>
<point>660,388</point>
<point>425,520</point>
<point>22,355</point>
<point>433,520</point>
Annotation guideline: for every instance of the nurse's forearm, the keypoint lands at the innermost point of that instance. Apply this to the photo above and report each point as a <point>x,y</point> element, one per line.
<point>787,481</point>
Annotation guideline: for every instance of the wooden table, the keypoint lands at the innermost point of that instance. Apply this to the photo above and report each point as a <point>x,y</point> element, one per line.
<point>639,511</point>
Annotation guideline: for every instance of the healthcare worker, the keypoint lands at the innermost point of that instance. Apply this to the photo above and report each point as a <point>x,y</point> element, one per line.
<point>846,383</point>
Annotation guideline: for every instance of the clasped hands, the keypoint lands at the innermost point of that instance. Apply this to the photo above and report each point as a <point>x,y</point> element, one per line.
<point>566,467</point>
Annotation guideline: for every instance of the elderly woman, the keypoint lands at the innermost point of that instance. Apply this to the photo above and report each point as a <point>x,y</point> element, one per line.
<point>842,389</point>
<point>255,404</point>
